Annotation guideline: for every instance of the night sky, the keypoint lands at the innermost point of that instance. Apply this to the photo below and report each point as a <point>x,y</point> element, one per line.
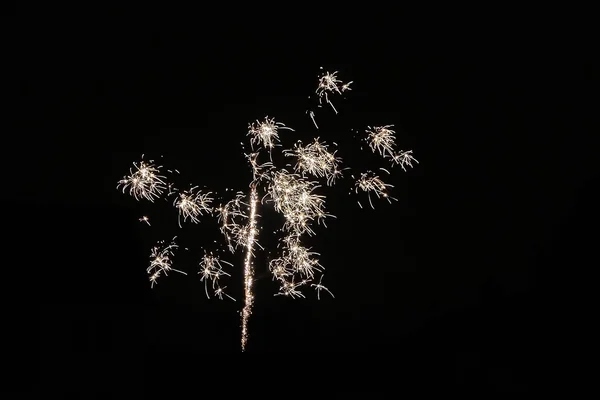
<point>444,283</point>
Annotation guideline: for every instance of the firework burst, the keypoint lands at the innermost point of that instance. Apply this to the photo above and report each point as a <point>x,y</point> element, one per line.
<point>294,195</point>
<point>316,160</point>
<point>211,270</point>
<point>265,134</point>
<point>144,181</point>
<point>371,183</point>
<point>161,260</point>
<point>329,85</point>
<point>382,140</point>
<point>192,204</point>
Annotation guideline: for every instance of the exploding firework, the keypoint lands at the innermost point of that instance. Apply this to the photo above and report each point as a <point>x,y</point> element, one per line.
<point>211,269</point>
<point>161,260</point>
<point>316,160</point>
<point>382,140</point>
<point>144,181</point>
<point>192,204</point>
<point>329,85</point>
<point>265,134</point>
<point>371,183</point>
<point>295,195</point>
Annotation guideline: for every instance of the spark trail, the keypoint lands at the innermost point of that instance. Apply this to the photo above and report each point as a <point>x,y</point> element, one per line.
<point>249,267</point>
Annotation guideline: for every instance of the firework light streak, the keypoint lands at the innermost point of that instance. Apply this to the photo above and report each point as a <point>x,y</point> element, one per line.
<point>294,195</point>
<point>249,267</point>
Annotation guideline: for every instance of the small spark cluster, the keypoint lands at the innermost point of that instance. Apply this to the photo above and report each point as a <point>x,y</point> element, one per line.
<point>161,260</point>
<point>145,182</point>
<point>316,160</point>
<point>192,204</point>
<point>211,269</point>
<point>233,220</point>
<point>382,140</point>
<point>329,85</point>
<point>371,183</point>
<point>265,133</point>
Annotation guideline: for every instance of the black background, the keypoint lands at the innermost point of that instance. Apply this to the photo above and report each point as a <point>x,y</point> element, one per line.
<point>446,283</point>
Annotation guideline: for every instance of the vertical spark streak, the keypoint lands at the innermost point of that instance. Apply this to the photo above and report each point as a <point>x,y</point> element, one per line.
<point>249,268</point>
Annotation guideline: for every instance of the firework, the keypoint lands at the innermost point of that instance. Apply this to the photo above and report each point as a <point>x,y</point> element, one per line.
<point>249,267</point>
<point>371,183</point>
<point>192,204</point>
<point>161,260</point>
<point>294,198</point>
<point>382,140</point>
<point>144,181</point>
<point>265,134</point>
<point>294,195</point>
<point>211,269</point>
<point>404,158</point>
<point>290,289</point>
<point>318,287</point>
<point>329,85</point>
<point>231,216</point>
<point>316,160</point>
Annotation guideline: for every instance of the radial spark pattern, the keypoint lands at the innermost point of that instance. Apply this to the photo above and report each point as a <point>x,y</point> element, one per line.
<point>192,204</point>
<point>144,181</point>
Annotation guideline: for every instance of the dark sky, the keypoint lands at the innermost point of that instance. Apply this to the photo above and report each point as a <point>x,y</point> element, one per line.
<point>446,280</point>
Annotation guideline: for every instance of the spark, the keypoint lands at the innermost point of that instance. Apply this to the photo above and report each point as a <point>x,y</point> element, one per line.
<point>145,219</point>
<point>289,289</point>
<point>311,114</point>
<point>318,287</point>
<point>145,182</point>
<point>266,133</point>
<point>161,260</point>
<point>192,204</point>
<point>231,216</point>
<point>294,198</point>
<point>219,292</point>
<point>316,160</point>
<point>404,158</point>
<point>211,269</point>
<point>371,183</point>
<point>258,170</point>
<point>382,140</point>
<point>329,84</point>
<point>249,268</point>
